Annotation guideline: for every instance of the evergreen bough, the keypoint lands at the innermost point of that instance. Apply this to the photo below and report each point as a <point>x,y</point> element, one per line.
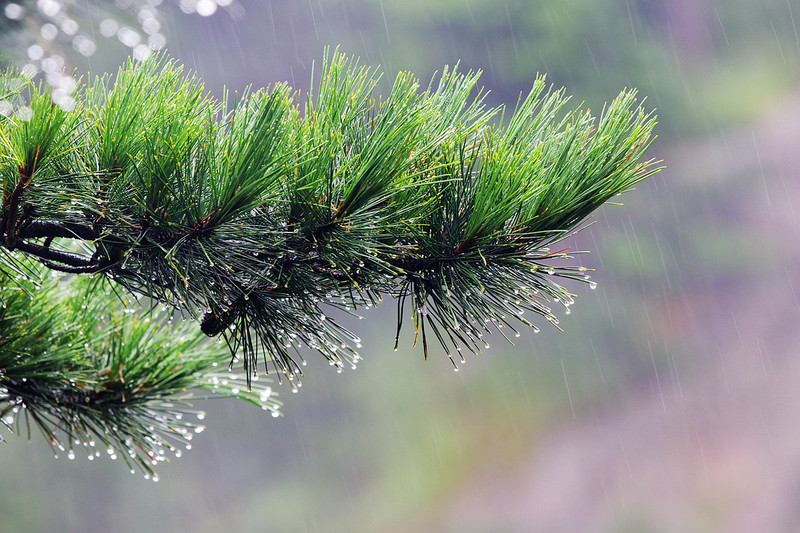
<point>257,214</point>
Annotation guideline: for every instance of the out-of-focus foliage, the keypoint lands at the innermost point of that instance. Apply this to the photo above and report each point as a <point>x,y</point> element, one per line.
<point>592,48</point>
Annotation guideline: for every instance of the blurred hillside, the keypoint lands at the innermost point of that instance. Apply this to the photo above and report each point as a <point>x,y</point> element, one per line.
<point>668,404</point>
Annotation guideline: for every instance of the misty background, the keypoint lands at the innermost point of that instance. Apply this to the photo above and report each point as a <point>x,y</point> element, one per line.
<point>670,402</point>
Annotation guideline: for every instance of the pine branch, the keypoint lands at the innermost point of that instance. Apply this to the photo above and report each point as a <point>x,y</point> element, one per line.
<point>91,374</point>
<point>256,213</point>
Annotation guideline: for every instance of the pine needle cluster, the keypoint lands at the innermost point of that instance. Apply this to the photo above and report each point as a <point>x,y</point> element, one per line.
<point>258,213</point>
<point>93,373</point>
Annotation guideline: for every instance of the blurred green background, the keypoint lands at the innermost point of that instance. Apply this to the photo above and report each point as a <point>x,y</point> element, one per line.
<point>669,403</point>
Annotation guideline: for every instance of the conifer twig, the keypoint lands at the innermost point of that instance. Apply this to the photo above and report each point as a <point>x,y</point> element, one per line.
<point>257,212</point>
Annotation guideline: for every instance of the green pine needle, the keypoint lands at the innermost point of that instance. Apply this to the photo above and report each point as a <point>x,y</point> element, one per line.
<point>98,378</point>
<point>257,213</point>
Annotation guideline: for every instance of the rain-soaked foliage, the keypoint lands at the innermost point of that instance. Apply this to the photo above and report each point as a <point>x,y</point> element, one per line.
<point>673,408</point>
